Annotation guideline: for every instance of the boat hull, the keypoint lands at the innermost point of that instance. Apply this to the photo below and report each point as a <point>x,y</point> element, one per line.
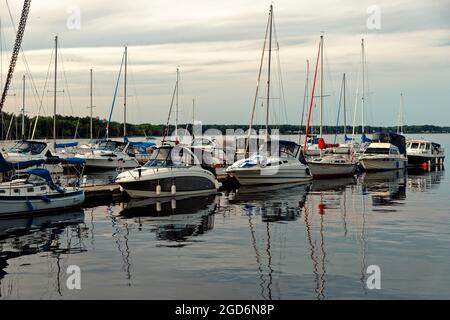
<point>419,160</point>
<point>186,181</point>
<point>17,205</point>
<point>111,163</point>
<point>330,170</point>
<point>262,176</point>
<point>379,164</point>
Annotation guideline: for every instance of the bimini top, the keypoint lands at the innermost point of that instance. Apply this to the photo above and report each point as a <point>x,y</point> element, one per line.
<point>71,160</point>
<point>65,145</point>
<point>6,166</point>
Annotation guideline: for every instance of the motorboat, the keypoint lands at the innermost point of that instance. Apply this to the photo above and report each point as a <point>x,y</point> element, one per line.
<point>284,164</point>
<point>172,170</point>
<point>380,156</point>
<point>110,154</point>
<point>332,166</point>
<point>424,151</point>
<point>24,151</point>
<point>386,151</point>
<point>35,191</point>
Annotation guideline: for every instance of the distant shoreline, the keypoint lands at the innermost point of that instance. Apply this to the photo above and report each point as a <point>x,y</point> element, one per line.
<point>69,127</point>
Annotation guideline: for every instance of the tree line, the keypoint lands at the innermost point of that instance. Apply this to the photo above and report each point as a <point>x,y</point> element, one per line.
<point>69,127</point>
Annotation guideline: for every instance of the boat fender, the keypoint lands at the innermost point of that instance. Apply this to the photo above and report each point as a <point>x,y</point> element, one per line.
<point>158,206</point>
<point>173,204</point>
<point>424,166</point>
<point>46,199</point>
<point>29,205</point>
<point>173,189</point>
<point>158,190</point>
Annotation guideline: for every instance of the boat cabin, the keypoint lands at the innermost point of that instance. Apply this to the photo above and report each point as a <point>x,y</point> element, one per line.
<point>170,156</point>
<point>423,147</point>
<point>27,147</point>
<point>381,148</point>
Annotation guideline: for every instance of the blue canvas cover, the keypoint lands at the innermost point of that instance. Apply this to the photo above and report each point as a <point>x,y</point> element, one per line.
<point>6,166</point>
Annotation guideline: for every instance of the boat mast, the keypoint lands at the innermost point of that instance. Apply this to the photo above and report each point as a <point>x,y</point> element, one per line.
<point>400,116</point>
<point>363,62</point>
<point>91,105</point>
<point>268,72</point>
<point>125,95</point>
<point>54,92</point>
<point>321,85</point>
<point>176,104</point>
<point>345,107</point>
<point>305,100</point>
<point>255,100</point>
<point>23,108</point>
<point>193,116</point>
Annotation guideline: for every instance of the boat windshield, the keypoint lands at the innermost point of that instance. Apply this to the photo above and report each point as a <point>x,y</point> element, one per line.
<point>27,147</point>
<point>171,157</point>
<point>110,146</point>
<point>377,151</point>
<point>282,149</point>
<point>199,142</point>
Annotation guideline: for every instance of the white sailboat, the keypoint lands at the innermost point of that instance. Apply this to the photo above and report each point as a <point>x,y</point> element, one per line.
<point>277,161</point>
<point>35,191</point>
<point>328,165</point>
<point>110,154</point>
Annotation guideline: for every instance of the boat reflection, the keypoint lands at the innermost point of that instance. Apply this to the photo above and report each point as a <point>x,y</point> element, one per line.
<point>271,202</point>
<point>58,234</point>
<point>333,185</point>
<point>422,181</point>
<point>175,219</point>
<point>386,188</point>
<point>276,206</point>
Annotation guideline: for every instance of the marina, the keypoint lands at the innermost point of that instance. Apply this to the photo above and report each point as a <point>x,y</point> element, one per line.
<point>277,200</point>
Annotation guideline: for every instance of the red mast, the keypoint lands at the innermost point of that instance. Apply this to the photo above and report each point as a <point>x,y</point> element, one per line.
<point>312,98</point>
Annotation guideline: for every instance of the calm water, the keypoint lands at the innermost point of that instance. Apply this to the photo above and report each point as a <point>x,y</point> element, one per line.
<point>310,241</point>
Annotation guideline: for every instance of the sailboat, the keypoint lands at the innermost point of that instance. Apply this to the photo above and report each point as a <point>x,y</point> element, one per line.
<point>327,165</point>
<point>35,191</point>
<point>30,149</point>
<point>110,154</point>
<point>278,161</point>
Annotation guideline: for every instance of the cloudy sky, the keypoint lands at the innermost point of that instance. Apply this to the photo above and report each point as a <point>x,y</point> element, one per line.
<point>217,45</point>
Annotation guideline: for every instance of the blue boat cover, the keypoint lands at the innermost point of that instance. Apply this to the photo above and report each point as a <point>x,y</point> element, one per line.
<point>65,145</point>
<point>45,174</point>
<point>364,138</point>
<point>6,166</point>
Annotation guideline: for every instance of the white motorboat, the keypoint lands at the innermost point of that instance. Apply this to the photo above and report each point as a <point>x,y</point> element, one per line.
<point>109,154</point>
<point>381,156</point>
<point>332,166</point>
<point>424,151</point>
<point>172,170</point>
<point>286,164</point>
<point>36,193</point>
<point>30,150</point>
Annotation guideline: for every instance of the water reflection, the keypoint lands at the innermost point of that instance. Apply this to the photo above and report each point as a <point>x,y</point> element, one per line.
<point>387,188</point>
<point>172,219</point>
<point>58,234</point>
<point>274,208</point>
<point>422,181</point>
